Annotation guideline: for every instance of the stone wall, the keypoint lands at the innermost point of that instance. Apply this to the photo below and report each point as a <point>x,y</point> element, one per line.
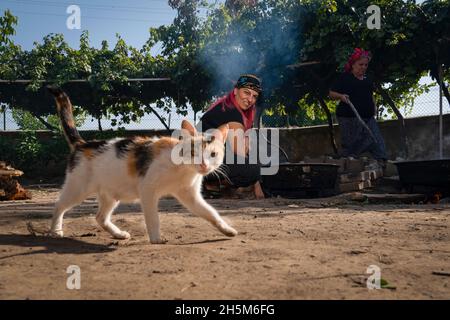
<point>422,133</point>
<point>313,142</point>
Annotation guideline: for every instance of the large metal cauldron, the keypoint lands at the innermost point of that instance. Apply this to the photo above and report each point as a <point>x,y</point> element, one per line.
<point>302,180</point>
<point>433,173</point>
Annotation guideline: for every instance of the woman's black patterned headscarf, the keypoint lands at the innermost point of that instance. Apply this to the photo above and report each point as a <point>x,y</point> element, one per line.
<point>249,81</point>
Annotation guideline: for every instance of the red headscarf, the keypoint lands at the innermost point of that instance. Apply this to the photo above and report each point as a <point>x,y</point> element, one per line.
<point>229,102</point>
<point>357,54</point>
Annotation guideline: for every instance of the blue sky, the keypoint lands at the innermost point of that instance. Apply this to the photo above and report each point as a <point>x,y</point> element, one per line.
<point>102,18</point>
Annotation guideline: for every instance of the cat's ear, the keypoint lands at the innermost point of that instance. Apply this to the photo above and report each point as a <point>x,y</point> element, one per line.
<point>186,125</point>
<point>221,133</point>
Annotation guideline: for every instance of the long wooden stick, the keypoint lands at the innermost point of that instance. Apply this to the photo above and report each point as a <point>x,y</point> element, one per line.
<point>361,120</point>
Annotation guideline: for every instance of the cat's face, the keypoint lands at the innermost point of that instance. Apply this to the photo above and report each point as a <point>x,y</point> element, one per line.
<point>204,152</point>
<point>212,150</point>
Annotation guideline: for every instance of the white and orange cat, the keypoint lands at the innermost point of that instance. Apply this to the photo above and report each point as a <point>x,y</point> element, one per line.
<point>138,168</point>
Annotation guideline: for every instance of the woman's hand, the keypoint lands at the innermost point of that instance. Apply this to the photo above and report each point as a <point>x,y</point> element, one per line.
<point>239,141</point>
<point>344,98</point>
<point>246,144</point>
<point>338,96</point>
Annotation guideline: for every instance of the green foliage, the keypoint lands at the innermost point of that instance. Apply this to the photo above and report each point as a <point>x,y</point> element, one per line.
<point>27,121</point>
<point>28,149</point>
<point>43,156</point>
<point>8,152</point>
<point>36,157</point>
<point>33,155</point>
<point>7,23</point>
<point>53,150</point>
<point>8,50</point>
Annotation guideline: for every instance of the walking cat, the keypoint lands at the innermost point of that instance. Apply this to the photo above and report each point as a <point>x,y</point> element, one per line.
<point>138,168</point>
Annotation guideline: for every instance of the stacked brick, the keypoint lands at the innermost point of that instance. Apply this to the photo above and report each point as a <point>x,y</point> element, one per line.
<point>355,174</point>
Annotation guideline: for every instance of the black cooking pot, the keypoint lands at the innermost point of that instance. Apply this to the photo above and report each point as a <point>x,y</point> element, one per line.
<point>302,180</point>
<point>434,173</point>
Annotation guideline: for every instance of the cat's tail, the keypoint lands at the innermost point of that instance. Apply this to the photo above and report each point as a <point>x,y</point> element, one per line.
<point>65,113</point>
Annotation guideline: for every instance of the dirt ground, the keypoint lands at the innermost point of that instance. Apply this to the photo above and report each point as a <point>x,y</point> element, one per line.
<point>286,249</point>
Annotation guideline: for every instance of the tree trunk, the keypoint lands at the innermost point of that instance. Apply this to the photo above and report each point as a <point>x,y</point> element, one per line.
<point>324,106</point>
<point>46,124</point>
<point>99,124</point>
<point>391,103</point>
<point>159,117</point>
<point>330,123</point>
<point>435,76</point>
<point>445,91</point>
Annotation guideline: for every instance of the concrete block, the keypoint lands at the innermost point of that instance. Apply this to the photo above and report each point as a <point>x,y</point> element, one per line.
<point>371,165</point>
<point>354,165</point>
<point>366,175</point>
<point>340,162</point>
<point>371,175</point>
<point>391,170</point>
<point>350,177</point>
<point>376,174</point>
<point>394,198</point>
<point>351,186</point>
<point>367,184</point>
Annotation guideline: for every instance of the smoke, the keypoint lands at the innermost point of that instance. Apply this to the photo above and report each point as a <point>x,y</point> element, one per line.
<point>264,49</point>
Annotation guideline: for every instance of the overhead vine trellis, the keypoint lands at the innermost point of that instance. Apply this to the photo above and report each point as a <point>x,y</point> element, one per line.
<point>121,101</point>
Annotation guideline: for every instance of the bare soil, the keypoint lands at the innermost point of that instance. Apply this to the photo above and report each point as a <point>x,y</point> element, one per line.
<point>286,249</point>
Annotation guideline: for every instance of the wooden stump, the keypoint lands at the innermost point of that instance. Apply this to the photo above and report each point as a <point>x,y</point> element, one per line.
<point>10,189</point>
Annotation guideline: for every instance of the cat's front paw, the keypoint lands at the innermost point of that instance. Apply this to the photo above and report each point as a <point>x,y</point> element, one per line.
<point>56,234</point>
<point>160,240</point>
<point>228,231</point>
<point>123,235</point>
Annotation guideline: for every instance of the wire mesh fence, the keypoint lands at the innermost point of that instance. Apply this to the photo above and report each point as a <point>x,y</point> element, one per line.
<point>424,105</point>
<point>427,105</point>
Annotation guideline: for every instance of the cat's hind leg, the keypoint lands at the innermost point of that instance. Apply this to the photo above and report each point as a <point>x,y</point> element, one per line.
<point>194,202</point>
<point>71,195</point>
<point>106,206</point>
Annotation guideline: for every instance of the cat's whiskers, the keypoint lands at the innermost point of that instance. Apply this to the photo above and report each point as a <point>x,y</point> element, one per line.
<point>223,173</point>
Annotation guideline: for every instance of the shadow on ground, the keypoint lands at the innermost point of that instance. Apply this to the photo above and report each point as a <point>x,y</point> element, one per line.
<point>51,245</point>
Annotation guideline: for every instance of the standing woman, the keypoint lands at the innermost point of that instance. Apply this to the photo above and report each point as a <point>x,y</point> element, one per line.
<point>354,85</point>
<point>237,109</point>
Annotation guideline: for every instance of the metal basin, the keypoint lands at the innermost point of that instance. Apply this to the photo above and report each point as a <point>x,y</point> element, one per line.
<point>433,173</point>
